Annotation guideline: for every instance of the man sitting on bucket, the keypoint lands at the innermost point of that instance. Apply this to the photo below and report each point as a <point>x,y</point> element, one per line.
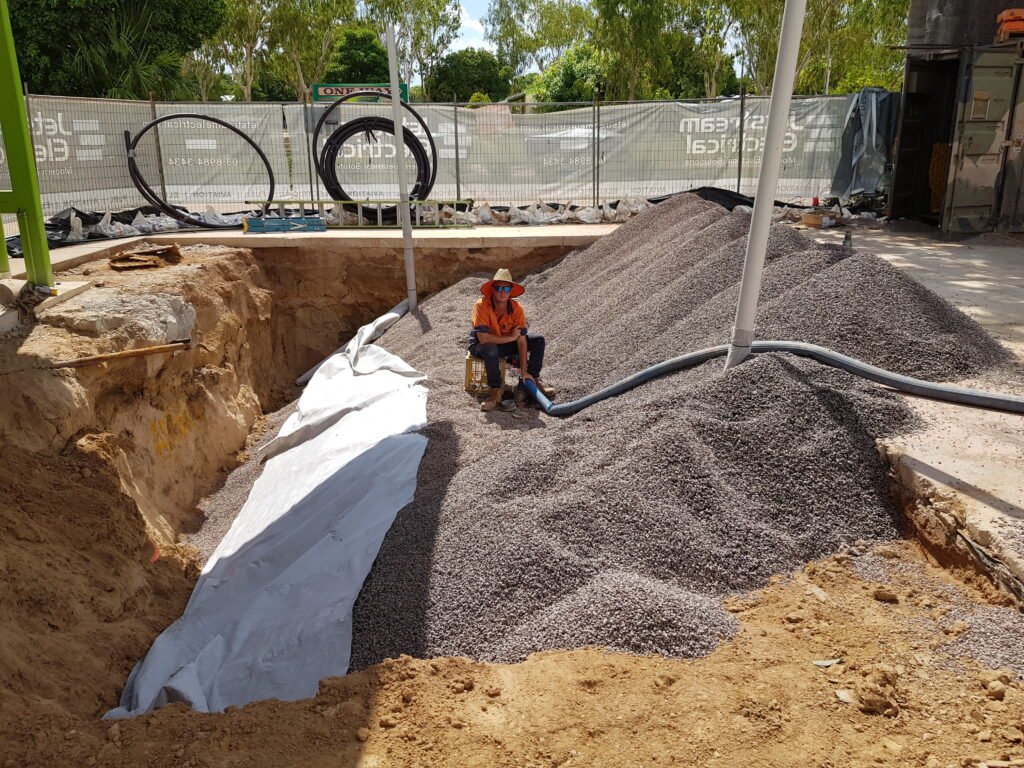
<point>499,331</point>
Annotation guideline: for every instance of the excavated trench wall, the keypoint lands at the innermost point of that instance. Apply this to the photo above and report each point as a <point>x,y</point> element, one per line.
<point>257,319</point>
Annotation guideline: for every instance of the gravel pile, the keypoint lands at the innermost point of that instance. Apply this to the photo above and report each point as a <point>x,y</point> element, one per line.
<point>623,526</point>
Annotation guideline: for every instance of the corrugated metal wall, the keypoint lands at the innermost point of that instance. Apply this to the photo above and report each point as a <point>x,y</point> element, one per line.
<point>955,22</point>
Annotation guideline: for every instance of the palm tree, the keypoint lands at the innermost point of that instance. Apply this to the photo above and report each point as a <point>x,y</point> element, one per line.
<point>123,65</point>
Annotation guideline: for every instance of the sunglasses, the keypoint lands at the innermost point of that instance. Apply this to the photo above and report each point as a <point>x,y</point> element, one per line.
<point>503,288</point>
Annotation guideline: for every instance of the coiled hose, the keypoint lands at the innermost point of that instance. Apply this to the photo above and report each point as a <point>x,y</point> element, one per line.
<point>946,392</point>
<point>156,201</point>
<point>325,159</point>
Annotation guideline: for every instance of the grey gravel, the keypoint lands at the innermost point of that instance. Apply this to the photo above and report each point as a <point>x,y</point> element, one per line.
<point>624,526</point>
<point>995,636</point>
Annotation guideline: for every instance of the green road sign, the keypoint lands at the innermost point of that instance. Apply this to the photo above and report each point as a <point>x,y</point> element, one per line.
<point>334,91</point>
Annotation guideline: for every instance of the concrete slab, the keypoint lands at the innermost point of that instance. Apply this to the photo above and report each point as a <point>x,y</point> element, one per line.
<point>63,291</point>
<point>965,471</point>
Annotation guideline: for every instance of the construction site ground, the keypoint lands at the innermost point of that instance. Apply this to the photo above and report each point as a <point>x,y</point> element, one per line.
<point>859,659</point>
<point>971,456</point>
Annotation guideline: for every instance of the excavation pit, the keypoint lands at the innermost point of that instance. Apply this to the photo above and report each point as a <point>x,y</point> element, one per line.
<point>127,429</point>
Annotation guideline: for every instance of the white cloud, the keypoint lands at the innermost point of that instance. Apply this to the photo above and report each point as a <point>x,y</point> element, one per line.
<point>471,33</point>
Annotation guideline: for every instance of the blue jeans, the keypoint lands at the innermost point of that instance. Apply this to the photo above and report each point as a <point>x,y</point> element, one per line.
<point>490,353</point>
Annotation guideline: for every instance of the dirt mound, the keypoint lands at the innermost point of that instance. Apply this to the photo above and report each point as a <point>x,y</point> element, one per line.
<point>82,599</point>
<point>757,700</point>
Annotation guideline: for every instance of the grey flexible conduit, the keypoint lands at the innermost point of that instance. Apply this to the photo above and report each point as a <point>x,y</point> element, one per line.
<point>946,392</point>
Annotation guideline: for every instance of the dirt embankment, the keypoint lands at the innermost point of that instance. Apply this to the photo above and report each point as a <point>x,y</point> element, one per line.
<point>102,466</point>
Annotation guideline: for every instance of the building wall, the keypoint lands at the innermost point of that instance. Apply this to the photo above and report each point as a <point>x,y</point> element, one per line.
<point>955,22</point>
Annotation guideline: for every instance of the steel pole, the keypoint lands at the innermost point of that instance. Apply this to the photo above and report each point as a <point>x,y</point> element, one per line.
<point>767,181</point>
<point>23,197</point>
<point>403,190</point>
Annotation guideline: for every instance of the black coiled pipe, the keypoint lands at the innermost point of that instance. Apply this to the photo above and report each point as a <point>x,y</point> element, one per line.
<point>158,202</point>
<point>325,159</point>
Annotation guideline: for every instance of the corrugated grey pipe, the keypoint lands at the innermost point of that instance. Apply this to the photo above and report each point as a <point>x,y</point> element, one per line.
<point>946,392</point>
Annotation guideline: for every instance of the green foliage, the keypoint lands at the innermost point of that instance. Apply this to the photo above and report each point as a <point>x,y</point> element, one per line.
<point>682,77</point>
<point>425,30</point>
<point>845,43</point>
<point>576,76</point>
<point>305,33</point>
<point>504,27</point>
<point>106,47</point>
<point>243,38</point>
<point>360,57</point>
<point>630,32</point>
<point>204,68</point>
<point>465,72</point>
<point>272,82</point>
<point>525,82</point>
<point>479,98</point>
<point>619,49</point>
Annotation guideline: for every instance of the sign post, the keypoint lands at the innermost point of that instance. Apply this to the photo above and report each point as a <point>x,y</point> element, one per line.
<point>403,190</point>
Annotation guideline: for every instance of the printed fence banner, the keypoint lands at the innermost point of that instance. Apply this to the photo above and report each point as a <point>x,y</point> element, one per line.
<point>495,153</point>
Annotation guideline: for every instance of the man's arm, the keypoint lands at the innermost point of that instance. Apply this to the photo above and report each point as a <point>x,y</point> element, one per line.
<point>521,342</point>
<point>489,338</point>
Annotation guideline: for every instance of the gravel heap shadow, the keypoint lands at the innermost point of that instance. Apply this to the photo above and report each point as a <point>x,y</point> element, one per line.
<point>625,525</point>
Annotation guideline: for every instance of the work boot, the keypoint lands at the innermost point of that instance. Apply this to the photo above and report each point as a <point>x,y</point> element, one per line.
<point>493,400</point>
<point>544,389</point>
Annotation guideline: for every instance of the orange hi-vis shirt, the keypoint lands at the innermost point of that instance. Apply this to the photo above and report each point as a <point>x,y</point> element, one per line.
<point>505,325</point>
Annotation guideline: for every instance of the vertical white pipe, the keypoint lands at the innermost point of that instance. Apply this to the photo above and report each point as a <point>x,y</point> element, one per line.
<point>403,190</point>
<point>767,181</point>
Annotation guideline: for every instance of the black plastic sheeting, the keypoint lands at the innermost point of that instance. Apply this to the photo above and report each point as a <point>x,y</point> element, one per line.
<point>58,226</point>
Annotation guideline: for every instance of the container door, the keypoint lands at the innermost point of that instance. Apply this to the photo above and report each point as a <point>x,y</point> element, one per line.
<point>1011,218</point>
<point>979,146</point>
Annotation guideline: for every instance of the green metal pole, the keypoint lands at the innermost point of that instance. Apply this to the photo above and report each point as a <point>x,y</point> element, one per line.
<point>5,265</point>
<point>23,199</point>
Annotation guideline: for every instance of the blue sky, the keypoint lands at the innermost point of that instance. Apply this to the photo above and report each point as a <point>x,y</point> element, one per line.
<point>471,34</point>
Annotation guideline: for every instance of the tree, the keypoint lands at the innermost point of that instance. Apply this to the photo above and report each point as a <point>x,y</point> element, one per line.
<point>360,57</point>
<point>838,36</point>
<point>306,33</point>
<point>205,67</point>
<point>711,23</point>
<point>424,30</point>
<point>49,37</point>
<point>464,72</point>
<point>126,64</point>
<point>508,24</point>
<point>559,25</point>
<point>576,76</point>
<point>630,31</point>
<point>479,98</point>
<point>434,29</point>
<point>682,77</point>
<point>244,38</point>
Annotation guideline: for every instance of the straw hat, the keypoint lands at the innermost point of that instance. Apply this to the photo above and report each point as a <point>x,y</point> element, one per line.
<point>502,276</point>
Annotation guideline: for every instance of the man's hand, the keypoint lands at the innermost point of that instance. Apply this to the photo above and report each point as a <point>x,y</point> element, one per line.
<point>527,377</point>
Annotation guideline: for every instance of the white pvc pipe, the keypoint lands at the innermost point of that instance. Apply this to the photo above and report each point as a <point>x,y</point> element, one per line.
<point>403,190</point>
<point>767,181</point>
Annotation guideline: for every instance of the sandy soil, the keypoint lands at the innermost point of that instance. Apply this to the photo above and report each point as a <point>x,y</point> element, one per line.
<point>758,700</point>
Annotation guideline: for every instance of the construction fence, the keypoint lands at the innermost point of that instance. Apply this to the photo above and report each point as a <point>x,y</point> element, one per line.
<point>582,153</point>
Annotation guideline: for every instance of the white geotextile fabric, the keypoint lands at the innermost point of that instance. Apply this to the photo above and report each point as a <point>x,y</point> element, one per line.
<point>271,614</point>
